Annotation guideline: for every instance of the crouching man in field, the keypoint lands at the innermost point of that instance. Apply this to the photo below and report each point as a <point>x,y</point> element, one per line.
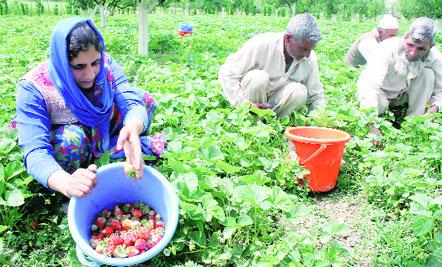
<point>366,45</point>
<point>276,70</point>
<point>406,70</point>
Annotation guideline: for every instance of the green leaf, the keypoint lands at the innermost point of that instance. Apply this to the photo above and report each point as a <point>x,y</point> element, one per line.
<point>15,198</point>
<point>437,215</point>
<point>6,145</point>
<point>198,237</point>
<point>422,199</point>
<point>214,239</point>
<point>187,182</point>
<point>230,169</point>
<point>211,208</point>
<point>187,207</point>
<point>13,169</point>
<point>269,165</point>
<point>244,220</point>
<point>103,160</point>
<point>262,112</point>
<point>3,228</point>
<point>228,232</point>
<point>2,172</point>
<point>422,225</point>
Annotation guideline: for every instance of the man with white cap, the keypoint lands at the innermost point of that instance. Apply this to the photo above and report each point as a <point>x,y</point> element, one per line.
<point>405,70</point>
<point>365,47</point>
<point>276,70</point>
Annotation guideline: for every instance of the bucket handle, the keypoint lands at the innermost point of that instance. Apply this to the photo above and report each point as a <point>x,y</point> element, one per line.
<point>83,260</point>
<point>320,149</point>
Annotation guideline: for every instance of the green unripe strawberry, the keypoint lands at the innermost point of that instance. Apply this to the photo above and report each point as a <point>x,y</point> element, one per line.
<point>130,171</point>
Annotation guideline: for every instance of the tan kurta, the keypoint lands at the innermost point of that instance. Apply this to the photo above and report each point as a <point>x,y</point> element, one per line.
<point>265,52</point>
<point>379,81</point>
<point>363,48</point>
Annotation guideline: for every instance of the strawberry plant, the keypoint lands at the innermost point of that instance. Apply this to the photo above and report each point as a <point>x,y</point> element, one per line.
<point>239,201</point>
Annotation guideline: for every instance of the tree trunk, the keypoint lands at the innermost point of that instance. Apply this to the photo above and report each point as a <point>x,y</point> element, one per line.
<point>142,28</point>
<point>290,7</point>
<point>186,12</point>
<point>103,15</point>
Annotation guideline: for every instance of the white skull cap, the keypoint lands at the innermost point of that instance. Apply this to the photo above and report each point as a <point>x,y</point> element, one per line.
<point>388,22</point>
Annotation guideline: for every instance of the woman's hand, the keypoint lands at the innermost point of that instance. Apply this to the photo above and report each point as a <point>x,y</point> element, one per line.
<point>129,140</point>
<point>78,184</point>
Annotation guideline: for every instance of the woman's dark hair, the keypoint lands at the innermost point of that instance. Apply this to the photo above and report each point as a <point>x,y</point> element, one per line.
<point>81,38</point>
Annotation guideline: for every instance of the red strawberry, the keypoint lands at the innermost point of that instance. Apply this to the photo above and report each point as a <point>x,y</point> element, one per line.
<point>107,231</point>
<point>159,224</point>
<point>115,240</point>
<point>150,244</point>
<point>116,225</point>
<point>109,250</point>
<point>137,213</point>
<point>100,236</point>
<point>129,239</point>
<point>140,244</point>
<point>132,251</point>
<point>118,212</point>
<point>100,222</point>
<point>143,233</point>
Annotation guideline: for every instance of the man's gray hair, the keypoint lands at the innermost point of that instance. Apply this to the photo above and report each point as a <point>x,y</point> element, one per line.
<point>304,27</point>
<point>422,30</point>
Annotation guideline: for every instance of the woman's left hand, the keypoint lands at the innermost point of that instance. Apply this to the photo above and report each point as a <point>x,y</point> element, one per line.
<point>129,140</point>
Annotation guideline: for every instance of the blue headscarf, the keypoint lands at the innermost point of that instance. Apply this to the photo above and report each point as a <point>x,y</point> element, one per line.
<point>96,117</point>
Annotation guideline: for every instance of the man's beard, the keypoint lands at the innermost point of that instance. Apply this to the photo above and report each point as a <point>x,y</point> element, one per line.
<point>407,68</point>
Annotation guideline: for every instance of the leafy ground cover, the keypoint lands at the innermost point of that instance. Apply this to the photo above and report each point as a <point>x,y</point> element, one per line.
<point>239,204</point>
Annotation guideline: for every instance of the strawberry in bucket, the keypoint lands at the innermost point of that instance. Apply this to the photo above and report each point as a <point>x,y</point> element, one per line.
<point>126,230</point>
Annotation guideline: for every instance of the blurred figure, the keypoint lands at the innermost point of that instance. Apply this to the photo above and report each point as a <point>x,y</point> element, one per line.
<point>366,45</point>
<point>276,70</point>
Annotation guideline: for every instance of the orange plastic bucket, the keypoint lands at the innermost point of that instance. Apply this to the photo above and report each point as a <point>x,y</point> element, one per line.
<point>319,150</point>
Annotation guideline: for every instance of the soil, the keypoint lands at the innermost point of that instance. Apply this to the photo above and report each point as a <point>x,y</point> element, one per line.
<point>352,210</point>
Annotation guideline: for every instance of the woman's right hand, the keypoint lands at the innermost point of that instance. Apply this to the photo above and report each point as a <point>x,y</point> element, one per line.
<point>78,184</point>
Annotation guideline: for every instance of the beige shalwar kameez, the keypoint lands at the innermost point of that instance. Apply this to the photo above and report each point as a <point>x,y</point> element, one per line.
<point>257,73</point>
<point>381,86</point>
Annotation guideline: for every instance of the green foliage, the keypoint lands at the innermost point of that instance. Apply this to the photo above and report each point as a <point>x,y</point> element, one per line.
<point>418,8</point>
<point>239,203</point>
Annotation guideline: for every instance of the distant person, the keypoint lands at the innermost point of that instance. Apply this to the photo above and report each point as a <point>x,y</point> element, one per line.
<point>407,71</point>
<point>277,71</point>
<point>366,45</point>
<point>77,106</point>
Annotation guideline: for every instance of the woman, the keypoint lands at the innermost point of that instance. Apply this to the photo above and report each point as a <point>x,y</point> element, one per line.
<point>78,106</point>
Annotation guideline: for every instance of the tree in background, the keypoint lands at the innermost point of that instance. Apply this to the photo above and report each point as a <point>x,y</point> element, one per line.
<point>418,8</point>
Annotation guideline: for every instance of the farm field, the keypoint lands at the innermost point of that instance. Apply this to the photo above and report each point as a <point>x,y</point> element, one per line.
<point>239,203</point>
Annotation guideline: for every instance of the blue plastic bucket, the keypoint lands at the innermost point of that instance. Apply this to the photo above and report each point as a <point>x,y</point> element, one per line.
<point>114,187</point>
<point>186,27</point>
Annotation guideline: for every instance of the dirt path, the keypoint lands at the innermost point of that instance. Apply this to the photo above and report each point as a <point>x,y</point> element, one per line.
<point>355,212</point>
